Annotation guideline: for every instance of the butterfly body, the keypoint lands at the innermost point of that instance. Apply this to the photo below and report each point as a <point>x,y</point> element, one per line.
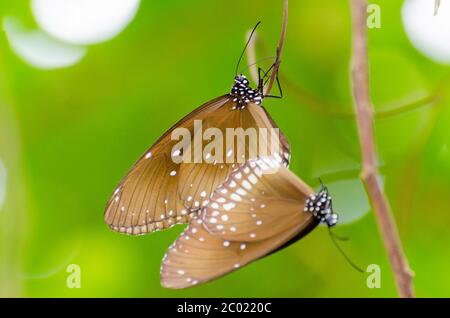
<point>243,94</point>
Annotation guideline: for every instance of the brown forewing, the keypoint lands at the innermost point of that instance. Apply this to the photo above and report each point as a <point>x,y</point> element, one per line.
<point>201,253</point>
<point>199,180</point>
<point>254,204</point>
<point>157,192</point>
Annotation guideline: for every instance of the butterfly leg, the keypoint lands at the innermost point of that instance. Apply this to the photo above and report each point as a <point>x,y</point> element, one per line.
<point>266,74</point>
<point>261,80</point>
<point>279,88</point>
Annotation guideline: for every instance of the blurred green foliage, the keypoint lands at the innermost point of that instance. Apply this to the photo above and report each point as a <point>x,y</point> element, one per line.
<point>67,136</point>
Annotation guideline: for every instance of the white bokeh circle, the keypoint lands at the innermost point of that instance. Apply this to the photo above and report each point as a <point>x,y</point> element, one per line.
<point>350,200</point>
<point>84,21</point>
<point>429,33</point>
<point>38,49</point>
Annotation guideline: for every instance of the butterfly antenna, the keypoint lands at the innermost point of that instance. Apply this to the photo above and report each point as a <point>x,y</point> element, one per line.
<point>322,186</point>
<point>338,237</point>
<point>320,180</point>
<point>333,238</point>
<point>245,47</point>
<point>261,60</point>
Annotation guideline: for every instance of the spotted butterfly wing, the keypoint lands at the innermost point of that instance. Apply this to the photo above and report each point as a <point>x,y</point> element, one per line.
<point>158,192</point>
<point>200,179</point>
<point>253,214</point>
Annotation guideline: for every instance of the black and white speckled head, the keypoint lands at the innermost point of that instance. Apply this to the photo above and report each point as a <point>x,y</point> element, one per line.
<point>243,94</point>
<point>321,206</point>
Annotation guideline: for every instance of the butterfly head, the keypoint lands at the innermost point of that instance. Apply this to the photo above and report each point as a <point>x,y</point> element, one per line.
<point>243,94</point>
<point>320,205</point>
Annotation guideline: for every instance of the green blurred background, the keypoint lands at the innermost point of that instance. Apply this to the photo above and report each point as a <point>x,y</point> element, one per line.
<point>69,134</point>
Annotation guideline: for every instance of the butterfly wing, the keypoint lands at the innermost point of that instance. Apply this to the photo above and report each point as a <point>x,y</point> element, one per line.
<point>147,198</point>
<point>197,257</point>
<point>159,192</point>
<point>257,201</point>
<point>204,252</point>
<point>199,180</point>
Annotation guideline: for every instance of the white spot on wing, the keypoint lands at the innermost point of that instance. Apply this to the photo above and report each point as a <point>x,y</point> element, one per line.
<point>235,197</point>
<point>229,206</point>
<point>212,220</point>
<point>252,179</point>
<point>214,205</point>
<point>246,185</point>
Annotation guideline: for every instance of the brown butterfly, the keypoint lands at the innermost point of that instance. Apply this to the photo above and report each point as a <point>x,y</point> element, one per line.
<point>161,190</point>
<point>256,212</point>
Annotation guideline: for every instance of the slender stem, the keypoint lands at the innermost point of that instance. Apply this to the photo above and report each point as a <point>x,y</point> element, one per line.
<point>369,173</point>
<point>276,64</point>
<point>429,100</point>
<point>318,105</point>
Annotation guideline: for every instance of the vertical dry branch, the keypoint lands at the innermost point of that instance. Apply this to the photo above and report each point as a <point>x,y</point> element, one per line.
<point>251,52</point>
<point>369,172</point>
<point>276,64</point>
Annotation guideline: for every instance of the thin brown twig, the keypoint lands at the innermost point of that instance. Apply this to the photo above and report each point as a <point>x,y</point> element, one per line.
<point>369,172</point>
<point>430,100</point>
<point>276,64</point>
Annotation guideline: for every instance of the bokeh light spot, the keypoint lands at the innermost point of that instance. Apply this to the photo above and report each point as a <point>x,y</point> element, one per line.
<point>39,49</point>
<point>428,33</point>
<point>350,200</point>
<point>84,21</point>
